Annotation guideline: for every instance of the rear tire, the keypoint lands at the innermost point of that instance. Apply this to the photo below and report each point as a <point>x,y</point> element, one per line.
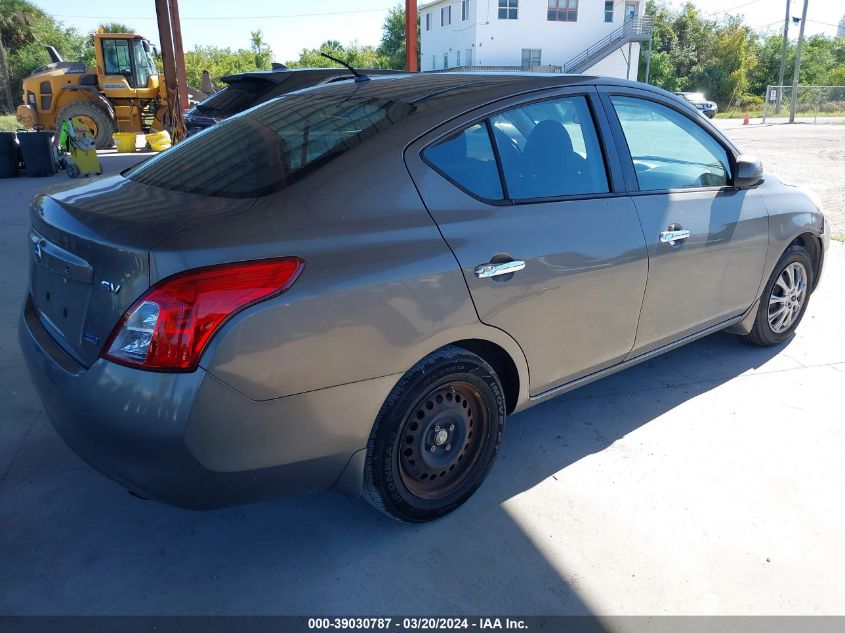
<point>436,436</point>
<point>784,299</point>
<point>102,121</point>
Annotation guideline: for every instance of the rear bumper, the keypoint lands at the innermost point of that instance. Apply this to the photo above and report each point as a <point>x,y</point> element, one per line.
<point>190,440</point>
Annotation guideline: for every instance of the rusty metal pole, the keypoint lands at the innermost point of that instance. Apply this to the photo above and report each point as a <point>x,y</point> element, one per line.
<point>166,40</point>
<point>178,55</point>
<point>411,35</point>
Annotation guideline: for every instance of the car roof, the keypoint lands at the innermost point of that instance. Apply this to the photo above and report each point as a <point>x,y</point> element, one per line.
<point>278,76</point>
<point>463,89</point>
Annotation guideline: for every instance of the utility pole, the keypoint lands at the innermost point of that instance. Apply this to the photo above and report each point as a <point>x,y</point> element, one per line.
<point>411,35</point>
<point>179,55</point>
<point>797,63</point>
<point>170,61</point>
<point>782,58</point>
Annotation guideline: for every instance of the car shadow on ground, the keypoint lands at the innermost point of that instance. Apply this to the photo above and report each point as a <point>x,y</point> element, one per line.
<point>75,543</point>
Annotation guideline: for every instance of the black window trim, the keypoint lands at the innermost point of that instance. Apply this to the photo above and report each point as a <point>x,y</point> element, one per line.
<point>588,92</point>
<point>625,153</point>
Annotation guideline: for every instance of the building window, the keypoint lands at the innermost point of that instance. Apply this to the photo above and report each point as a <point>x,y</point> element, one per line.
<point>608,11</point>
<point>428,21</point>
<point>562,10</point>
<point>433,62</point>
<point>469,57</point>
<point>446,16</point>
<point>464,10</point>
<point>445,60</point>
<point>458,59</point>
<point>530,57</point>
<point>509,9</point>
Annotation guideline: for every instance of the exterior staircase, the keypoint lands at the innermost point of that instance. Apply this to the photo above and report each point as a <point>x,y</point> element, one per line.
<point>636,30</point>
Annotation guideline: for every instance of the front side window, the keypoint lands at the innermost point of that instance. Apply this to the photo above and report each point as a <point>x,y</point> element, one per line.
<point>530,57</point>
<point>270,147</point>
<point>458,58</point>
<point>117,58</point>
<point>563,11</point>
<point>508,9</point>
<point>467,159</point>
<point>464,10</point>
<point>550,149</point>
<point>608,11</point>
<point>445,60</point>
<point>428,21</point>
<point>669,150</point>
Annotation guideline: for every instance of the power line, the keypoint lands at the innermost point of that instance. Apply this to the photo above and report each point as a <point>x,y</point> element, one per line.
<point>227,17</point>
<point>732,8</point>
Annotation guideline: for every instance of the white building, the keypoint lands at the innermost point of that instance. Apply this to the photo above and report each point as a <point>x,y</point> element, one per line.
<point>552,34</point>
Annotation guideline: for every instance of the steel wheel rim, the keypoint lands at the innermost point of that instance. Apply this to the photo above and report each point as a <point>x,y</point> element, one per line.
<point>787,297</point>
<point>454,421</point>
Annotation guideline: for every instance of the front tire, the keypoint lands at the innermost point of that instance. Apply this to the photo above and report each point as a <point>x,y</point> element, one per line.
<point>436,436</point>
<point>784,299</point>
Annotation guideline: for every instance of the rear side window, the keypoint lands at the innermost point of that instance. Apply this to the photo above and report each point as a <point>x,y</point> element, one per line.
<point>234,98</point>
<point>550,149</point>
<point>467,159</point>
<point>670,151</point>
<point>270,147</point>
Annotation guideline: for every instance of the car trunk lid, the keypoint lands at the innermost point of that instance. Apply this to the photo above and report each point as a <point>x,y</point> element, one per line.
<point>89,253</point>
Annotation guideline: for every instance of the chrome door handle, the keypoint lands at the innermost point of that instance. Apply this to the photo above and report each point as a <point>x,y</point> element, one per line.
<point>483,271</point>
<point>674,236</point>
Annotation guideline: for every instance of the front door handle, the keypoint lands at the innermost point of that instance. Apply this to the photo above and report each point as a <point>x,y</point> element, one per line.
<point>483,271</point>
<point>674,235</point>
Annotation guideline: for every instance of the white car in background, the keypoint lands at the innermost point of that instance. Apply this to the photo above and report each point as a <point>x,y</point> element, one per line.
<point>707,108</point>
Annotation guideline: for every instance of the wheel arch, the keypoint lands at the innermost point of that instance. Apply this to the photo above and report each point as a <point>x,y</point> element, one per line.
<point>810,243</point>
<point>502,363</point>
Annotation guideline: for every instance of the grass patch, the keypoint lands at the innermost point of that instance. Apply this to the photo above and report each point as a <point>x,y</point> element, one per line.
<point>738,114</point>
<point>8,123</point>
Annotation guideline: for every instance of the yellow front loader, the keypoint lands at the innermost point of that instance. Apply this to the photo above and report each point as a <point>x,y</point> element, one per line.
<point>122,93</point>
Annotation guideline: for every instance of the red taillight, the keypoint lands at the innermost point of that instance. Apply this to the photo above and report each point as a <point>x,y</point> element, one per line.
<point>169,326</point>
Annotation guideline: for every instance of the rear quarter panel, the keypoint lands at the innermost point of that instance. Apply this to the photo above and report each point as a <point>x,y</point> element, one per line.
<point>379,291</point>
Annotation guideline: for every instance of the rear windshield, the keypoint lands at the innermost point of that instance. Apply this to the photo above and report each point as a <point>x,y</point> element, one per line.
<point>233,99</point>
<point>270,147</point>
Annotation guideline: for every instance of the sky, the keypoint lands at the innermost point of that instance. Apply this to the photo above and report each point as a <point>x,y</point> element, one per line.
<point>290,26</point>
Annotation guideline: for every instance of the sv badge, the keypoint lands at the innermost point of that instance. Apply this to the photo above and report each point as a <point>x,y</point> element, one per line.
<point>111,287</point>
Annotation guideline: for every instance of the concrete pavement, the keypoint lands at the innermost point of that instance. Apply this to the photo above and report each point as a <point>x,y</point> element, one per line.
<point>708,480</point>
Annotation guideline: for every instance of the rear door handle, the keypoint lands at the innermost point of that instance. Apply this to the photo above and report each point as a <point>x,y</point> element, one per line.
<point>483,271</point>
<point>677,235</point>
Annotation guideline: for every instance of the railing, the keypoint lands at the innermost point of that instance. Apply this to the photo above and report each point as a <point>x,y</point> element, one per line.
<point>637,29</point>
<point>500,69</point>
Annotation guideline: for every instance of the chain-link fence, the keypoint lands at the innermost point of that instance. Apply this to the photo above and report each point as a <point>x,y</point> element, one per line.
<point>811,102</point>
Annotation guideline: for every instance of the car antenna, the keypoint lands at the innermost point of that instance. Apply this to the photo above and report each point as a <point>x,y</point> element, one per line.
<point>359,76</point>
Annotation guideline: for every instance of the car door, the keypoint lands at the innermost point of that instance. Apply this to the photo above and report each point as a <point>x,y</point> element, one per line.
<point>551,249</point>
<point>707,241</point>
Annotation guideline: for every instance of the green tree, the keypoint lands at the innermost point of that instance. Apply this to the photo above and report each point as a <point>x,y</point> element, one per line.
<point>392,46</point>
<point>115,27</point>
<point>353,54</point>
<point>24,32</point>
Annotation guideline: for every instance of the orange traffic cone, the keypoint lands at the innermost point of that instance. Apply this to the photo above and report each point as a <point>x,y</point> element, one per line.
<point>745,120</point>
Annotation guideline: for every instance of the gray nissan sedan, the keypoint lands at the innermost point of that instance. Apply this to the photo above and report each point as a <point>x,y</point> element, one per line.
<point>351,287</point>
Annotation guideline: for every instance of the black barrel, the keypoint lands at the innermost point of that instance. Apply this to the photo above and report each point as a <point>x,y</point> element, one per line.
<point>37,150</point>
<point>8,155</point>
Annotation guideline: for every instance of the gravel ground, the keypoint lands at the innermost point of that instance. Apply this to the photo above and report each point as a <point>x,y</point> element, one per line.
<point>803,154</point>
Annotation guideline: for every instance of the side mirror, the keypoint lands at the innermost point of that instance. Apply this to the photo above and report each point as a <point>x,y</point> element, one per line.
<point>749,172</point>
